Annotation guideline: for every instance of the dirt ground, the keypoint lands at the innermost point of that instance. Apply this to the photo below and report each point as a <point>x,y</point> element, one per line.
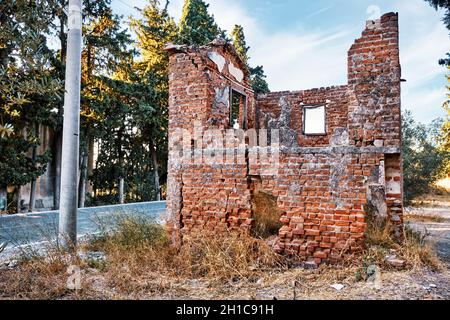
<point>323,283</point>
<point>298,284</point>
<point>431,216</point>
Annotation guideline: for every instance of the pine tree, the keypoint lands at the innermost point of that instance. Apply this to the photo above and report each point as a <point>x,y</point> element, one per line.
<point>257,76</point>
<point>239,43</point>
<point>104,106</point>
<point>258,80</point>
<point>154,31</point>
<point>197,26</point>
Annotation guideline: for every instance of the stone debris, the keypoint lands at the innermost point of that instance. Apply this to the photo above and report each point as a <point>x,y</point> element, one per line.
<point>310,265</point>
<point>394,261</point>
<point>10,264</point>
<point>93,256</point>
<point>337,286</point>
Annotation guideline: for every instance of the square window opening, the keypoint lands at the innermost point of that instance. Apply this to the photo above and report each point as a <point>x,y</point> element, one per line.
<point>314,120</point>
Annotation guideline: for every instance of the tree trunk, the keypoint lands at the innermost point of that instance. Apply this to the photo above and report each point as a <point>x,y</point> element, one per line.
<point>3,197</point>
<point>90,166</point>
<point>121,174</point>
<point>83,176</point>
<point>32,204</point>
<point>155,170</point>
<point>57,173</point>
<point>83,183</point>
<point>121,191</point>
<point>19,200</point>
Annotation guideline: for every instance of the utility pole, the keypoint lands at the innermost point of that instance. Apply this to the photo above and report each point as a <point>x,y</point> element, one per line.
<point>71,130</point>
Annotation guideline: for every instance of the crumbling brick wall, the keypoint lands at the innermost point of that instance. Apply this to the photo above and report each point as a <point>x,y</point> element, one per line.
<point>206,194</point>
<point>324,184</point>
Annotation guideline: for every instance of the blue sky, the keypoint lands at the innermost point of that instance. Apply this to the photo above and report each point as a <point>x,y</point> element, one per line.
<point>303,44</point>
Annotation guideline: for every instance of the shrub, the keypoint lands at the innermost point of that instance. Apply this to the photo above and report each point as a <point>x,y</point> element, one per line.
<point>424,162</point>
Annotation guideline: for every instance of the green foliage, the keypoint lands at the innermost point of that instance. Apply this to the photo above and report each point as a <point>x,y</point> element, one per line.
<point>153,31</point>
<point>132,113</point>
<point>258,80</point>
<point>16,167</point>
<point>239,42</point>
<point>445,132</point>
<point>445,137</point>
<point>197,26</point>
<point>423,159</point>
<point>28,92</point>
<point>124,89</point>
<point>257,76</point>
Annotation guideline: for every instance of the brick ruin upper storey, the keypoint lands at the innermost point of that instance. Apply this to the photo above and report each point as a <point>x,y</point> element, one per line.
<point>201,82</point>
<point>363,113</point>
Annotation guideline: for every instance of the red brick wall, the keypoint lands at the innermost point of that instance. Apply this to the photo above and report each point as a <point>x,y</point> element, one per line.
<point>336,111</point>
<point>201,195</point>
<point>322,196</point>
<point>374,76</point>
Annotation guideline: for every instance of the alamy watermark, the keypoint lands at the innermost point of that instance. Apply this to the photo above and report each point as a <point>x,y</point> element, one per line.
<point>212,146</point>
<point>74,279</point>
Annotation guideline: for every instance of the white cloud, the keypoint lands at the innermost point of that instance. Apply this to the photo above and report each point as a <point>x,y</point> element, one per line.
<point>294,61</point>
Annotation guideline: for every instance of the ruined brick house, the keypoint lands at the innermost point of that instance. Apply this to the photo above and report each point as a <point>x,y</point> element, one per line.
<point>339,146</point>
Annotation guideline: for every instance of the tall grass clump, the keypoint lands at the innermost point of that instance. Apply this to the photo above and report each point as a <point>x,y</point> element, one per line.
<point>406,244</point>
<point>138,248</point>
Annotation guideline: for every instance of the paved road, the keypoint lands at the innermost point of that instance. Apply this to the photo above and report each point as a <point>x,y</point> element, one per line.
<point>21,230</point>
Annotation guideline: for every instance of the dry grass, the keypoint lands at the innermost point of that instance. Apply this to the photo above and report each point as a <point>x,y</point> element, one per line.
<point>408,245</point>
<point>439,196</point>
<point>39,277</point>
<point>140,263</point>
<point>136,250</point>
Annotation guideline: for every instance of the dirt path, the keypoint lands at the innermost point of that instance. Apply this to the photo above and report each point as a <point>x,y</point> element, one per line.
<point>435,223</point>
